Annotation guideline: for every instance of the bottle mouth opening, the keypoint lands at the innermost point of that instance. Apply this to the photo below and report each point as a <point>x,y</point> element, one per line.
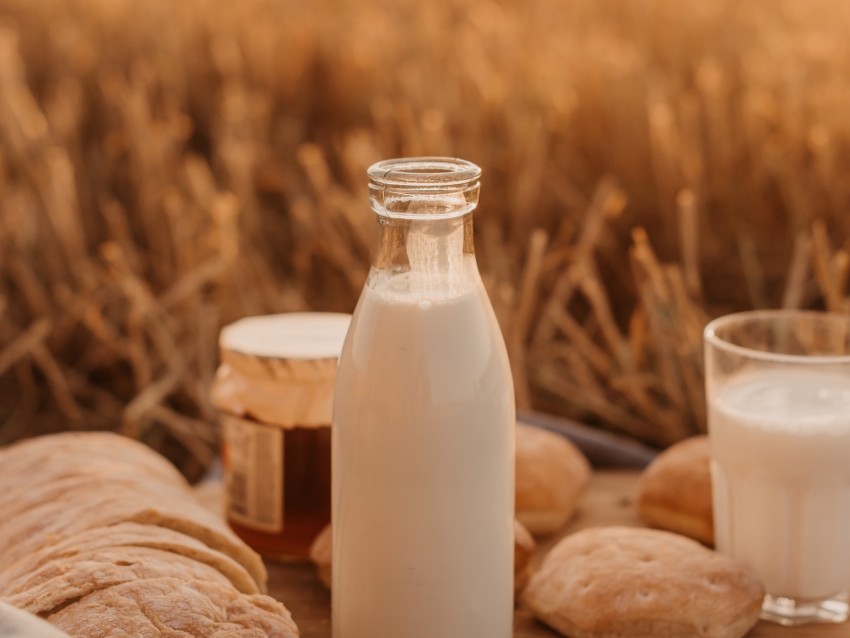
<point>424,172</point>
<point>423,187</point>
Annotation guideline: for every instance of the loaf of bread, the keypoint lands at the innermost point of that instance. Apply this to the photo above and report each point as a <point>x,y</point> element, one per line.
<point>126,536</point>
<point>103,537</point>
<point>617,582</point>
<point>674,492</point>
<point>158,607</point>
<point>321,553</point>
<point>551,476</point>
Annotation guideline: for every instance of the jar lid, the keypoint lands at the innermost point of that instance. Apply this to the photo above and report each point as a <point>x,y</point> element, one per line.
<point>280,369</point>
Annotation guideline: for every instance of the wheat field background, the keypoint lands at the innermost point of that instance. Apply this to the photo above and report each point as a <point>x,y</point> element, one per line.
<point>167,167</point>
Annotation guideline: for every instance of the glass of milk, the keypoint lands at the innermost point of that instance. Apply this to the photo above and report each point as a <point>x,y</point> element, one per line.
<point>422,436</point>
<point>778,389</point>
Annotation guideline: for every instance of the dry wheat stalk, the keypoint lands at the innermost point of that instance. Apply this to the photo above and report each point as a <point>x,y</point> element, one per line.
<point>168,167</point>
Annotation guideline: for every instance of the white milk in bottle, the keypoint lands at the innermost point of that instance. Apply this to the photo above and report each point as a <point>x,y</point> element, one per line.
<point>423,458</point>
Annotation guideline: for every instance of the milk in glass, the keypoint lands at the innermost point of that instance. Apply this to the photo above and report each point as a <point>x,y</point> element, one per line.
<point>781,471</point>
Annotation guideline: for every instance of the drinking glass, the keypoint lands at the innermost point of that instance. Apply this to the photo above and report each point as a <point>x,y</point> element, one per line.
<point>778,391</point>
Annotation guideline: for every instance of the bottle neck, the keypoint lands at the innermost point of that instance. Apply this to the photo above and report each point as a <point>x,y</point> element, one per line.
<point>424,207</point>
<point>429,253</point>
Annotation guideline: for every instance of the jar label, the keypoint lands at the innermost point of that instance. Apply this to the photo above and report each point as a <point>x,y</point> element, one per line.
<point>253,463</point>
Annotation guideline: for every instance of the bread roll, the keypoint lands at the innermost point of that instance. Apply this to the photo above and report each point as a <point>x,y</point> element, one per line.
<point>104,537</point>
<point>551,476</point>
<point>618,582</point>
<point>674,492</point>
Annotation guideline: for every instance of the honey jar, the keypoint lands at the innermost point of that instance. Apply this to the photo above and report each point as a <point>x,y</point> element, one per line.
<point>274,390</point>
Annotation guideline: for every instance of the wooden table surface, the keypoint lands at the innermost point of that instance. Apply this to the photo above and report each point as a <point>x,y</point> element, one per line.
<point>609,501</point>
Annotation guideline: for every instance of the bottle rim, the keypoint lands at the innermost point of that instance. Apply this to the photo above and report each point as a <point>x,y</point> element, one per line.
<point>424,172</point>
<point>423,188</point>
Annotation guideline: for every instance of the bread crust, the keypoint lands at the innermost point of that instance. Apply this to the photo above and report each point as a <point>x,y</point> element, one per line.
<point>674,492</point>
<point>157,607</point>
<point>617,581</point>
<point>551,476</point>
<point>105,537</point>
<point>73,577</point>
<point>80,450</point>
<point>52,521</point>
<point>129,535</point>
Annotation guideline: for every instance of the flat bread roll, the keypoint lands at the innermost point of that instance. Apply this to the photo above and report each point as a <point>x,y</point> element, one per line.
<point>165,607</point>
<point>674,492</point>
<point>618,582</point>
<point>551,476</point>
<point>16,623</point>
<point>129,535</point>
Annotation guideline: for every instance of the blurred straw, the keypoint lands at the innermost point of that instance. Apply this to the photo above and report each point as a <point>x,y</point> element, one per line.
<point>166,168</point>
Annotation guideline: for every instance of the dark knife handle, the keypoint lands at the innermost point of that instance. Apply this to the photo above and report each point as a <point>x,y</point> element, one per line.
<point>602,449</point>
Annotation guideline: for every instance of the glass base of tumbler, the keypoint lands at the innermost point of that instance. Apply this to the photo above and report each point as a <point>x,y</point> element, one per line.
<point>790,612</point>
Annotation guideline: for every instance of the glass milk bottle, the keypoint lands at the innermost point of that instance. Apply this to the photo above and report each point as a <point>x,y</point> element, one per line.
<point>422,437</point>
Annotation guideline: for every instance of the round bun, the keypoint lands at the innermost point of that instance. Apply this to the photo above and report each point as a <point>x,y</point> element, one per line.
<point>613,582</point>
<point>674,492</point>
<point>551,476</point>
